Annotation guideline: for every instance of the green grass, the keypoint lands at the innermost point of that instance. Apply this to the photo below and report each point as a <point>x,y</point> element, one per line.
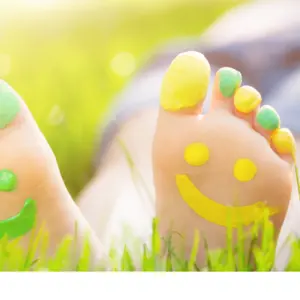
<point>259,257</point>
<point>60,61</point>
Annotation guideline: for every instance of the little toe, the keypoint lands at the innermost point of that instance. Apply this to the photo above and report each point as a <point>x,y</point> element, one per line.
<point>283,142</point>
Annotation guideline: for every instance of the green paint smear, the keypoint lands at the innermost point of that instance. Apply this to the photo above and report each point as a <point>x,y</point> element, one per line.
<point>21,223</point>
<point>8,181</point>
<point>229,80</point>
<point>9,104</point>
<point>268,118</point>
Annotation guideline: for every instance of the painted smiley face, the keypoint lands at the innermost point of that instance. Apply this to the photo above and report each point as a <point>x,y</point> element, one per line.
<point>24,221</point>
<point>244,170</point>
<point>20,224</point>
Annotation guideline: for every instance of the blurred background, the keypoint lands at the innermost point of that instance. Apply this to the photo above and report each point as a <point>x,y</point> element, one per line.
<point>68,58</point>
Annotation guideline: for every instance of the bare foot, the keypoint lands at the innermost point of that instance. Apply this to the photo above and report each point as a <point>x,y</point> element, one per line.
<point>233,162</point>
<point>32,191</point>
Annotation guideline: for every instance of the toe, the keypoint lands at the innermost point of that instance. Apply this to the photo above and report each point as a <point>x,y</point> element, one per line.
<point>185,84</point>
<point>227,81</point>
<point>246,100</point>
<point>267,121</point>
<point>283,142</point>
<point>9,104</point>
<point>246,103</point>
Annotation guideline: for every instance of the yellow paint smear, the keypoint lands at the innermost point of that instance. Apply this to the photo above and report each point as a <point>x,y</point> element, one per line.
<point>217,213</point>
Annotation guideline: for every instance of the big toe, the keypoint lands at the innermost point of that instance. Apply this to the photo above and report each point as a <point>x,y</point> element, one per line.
<point>185,83</point>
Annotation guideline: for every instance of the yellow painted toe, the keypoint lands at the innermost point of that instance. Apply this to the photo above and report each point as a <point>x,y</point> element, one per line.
<point>246,99</point>
<point>283,141</point>
<point>186,81</point>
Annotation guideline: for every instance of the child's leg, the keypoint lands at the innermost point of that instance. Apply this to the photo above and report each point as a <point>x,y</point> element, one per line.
<point>121,194</point>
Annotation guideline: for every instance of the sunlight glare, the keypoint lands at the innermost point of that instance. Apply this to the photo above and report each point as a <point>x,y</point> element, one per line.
<point>41,3</point>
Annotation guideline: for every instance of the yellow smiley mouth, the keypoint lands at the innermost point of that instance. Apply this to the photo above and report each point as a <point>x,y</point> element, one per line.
<point>217,213</point>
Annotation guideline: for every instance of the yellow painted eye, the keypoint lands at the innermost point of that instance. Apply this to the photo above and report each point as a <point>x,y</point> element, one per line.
<point>196,154</point>
<point>244,170</point>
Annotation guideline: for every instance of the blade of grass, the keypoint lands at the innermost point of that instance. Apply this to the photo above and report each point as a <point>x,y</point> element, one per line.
<point>17,256</point>
<point>194,252</point>
<point>127,262</point>
<point>229,242</point>
<point>34,244</point>
<point>63,256</point>
<point>3,253</point>
<point>241,260</point>
<point>85,257</point>
<point>135,172</point>
<point>113,257</point>
<point>156,244</point>
<point>44,246</point>
<point>146,260</point>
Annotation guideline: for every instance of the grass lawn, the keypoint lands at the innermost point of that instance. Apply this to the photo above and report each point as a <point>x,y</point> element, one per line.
<point>259,257</point>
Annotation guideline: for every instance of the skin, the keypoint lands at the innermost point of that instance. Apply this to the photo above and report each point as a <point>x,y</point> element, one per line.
<point>230,125</point>
<point>25,152</point>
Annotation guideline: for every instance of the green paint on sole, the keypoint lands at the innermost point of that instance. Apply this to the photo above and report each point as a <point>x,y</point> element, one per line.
<point>8,181</point>
<point>268,118</point>
<point>9,104</point>
<point>229,80</point>
<point>21,223</point>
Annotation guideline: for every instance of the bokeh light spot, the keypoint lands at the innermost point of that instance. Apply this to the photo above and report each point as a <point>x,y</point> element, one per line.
<point>123,64</point>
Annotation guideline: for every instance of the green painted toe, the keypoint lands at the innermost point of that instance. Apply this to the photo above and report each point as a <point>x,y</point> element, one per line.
<point>9,104</point>
<point>229,80</point>
<point>268,118</point>
<point>8,181</point>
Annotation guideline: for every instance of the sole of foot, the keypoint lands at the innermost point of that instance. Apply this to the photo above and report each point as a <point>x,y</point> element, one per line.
<point>227,167</point>
<point>32,192</point>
